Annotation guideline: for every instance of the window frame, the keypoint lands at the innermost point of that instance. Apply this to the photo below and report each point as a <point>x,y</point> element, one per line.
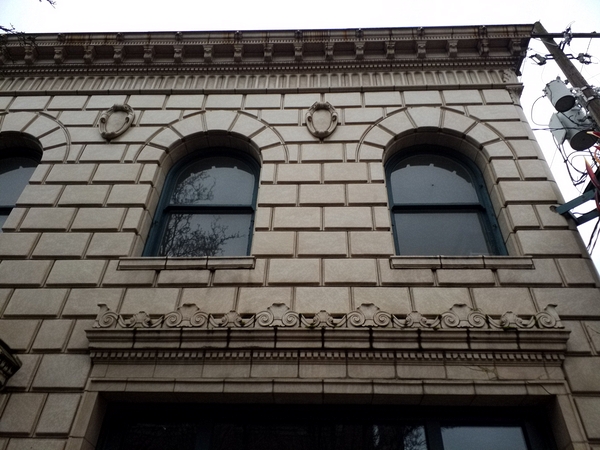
<point>484,209</point>
<point>19,149</point>
<point>205,418</point>
<point>165,210</point>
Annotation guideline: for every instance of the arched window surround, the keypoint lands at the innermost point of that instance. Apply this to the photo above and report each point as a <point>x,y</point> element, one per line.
<point>205,207</point>
<point>415,218</point>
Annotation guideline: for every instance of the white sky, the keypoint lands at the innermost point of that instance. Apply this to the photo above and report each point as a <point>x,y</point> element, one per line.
<point>193,15</point>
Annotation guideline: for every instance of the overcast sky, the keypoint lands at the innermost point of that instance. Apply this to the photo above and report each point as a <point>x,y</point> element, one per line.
<point>194,15</point>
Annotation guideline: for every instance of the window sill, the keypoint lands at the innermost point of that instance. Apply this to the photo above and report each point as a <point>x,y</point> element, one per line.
<point>461,262</point>
<point>201,263</point>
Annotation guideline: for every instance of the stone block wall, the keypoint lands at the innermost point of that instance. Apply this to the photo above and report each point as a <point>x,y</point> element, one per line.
<point>322,242</point>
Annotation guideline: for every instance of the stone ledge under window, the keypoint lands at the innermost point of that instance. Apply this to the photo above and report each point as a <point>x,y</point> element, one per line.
<point>461,262</point>
<point>206,263</point>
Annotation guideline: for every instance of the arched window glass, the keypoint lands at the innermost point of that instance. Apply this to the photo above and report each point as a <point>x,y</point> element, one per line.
<point>206,208</point>
<point>439,206</point>
<point>15,172</point>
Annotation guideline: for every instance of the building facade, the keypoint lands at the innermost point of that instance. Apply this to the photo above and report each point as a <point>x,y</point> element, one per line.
<point>286,239</point>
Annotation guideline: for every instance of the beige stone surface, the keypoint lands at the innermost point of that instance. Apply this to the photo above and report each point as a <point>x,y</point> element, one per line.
<point>48,219</point>
<point>21,412</point>
<point>253,300</point>
<point>570,302</point>
<point>403,277</point>
<point>131,195</point>
<point>103,152</point>
<point>422,98</point>
<point>58,414</point>
<point>117,173</point>
<point>593,331</point>
<point>115,277</point>
<point>110,245</point>
<point>371,243</point>
<point>545,272</point>
<point>462,277</point>
<point>550,242</point>
<point>98,219</point>
<point>495,96</point>
<point>178,277</point>
<point>497,301</point>
<point>188,101</point>
<point>294,271</point>
<point>219,101</point>
<point>367,194</point>
<point>78,340</point>
<point>23,273</point>
<point>255,276</point>
<point>18,334</point>
<point>322,152</point>
<point>277,195</point>
<point>368,115</point>
<point>62,371</point>
<point>322,194</point>
<point>578,341</point>
<point>395,300</point>
<point>321,243</point>
<point>549,217</point>
<point>350,271</point>
<point>211,300</point>
<point>334,300</point>
<point>76,273</point>
<point>276,243</point>
<point>348,217</point>
<point>589,408</point>
<point>299,173</point>
<point>71,173</point>
<point>583,373</point>
<point>348,172</point>
<point>23,377</point>
<point>61,245</point>
<point>84,195</point>
<point>39,195</point>
<point>290,218</point>
<point>35,302</point>
<point>439,300</point>
<point>17,244</point>
<point>462,97</point>
<point>578,271</point>
<point>150,300</point>
<point>52,335</point>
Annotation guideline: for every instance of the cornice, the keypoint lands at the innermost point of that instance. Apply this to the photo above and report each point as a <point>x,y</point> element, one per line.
<point>364,335</point>
<point>266,51</point>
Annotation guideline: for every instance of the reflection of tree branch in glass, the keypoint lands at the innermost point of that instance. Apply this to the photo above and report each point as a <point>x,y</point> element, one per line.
<point>184,236</point>
<point>193,190</point>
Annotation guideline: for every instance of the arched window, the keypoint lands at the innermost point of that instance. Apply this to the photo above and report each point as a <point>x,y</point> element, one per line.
<point>19,156</point>
<point>439,205</point>
<point>207,207</point>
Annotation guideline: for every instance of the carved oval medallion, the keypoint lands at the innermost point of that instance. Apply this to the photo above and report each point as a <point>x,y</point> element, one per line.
<point>115,121</point>
<point>321,119</point>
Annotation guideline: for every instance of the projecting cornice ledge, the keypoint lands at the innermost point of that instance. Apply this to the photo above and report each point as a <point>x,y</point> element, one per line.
<point>273,50</point>
<point>460,333</point>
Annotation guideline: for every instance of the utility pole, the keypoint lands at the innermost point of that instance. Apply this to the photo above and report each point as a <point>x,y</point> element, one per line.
<point>570,71</point>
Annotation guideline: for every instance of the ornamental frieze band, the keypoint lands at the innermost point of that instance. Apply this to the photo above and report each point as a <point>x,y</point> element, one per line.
<point>367,315</point>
